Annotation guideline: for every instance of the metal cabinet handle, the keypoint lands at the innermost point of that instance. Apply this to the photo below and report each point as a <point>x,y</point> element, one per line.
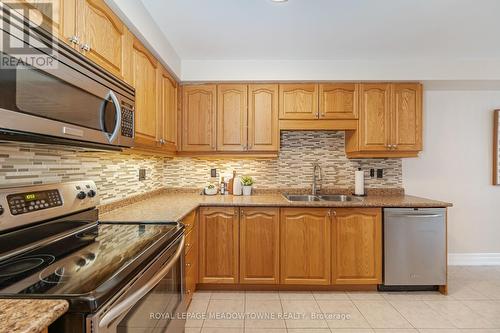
<point>85,47</point>
<point>74,40</point>
<point>188,264</point>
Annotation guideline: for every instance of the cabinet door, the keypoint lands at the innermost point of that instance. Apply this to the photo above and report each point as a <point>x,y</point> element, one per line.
<point>231,117</point>
<point>305,246</point>
<point>407,117</point>
<point>263,129</point>
<point>145,83</point>
<point>103,33</point>
<point>374,118</point>
<point>198,118</point>
<point>219,245</point>
<point>56,16</point>
<point>338,101</point>
<point>357,246</point>
<point>298,101</point>
<point>168,110</point>
<point>259,245</point>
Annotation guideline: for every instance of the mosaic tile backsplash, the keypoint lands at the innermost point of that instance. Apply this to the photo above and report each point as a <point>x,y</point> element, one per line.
<point>294,166</point>
<point>116,174</point>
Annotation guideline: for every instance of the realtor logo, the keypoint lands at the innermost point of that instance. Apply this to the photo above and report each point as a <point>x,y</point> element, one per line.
<point>20,45</point>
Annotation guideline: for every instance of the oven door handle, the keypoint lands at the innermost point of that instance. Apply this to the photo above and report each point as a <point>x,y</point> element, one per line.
<point>129,302</point>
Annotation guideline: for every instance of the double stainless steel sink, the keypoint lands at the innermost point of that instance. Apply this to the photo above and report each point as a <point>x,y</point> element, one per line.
<point>312,198</point>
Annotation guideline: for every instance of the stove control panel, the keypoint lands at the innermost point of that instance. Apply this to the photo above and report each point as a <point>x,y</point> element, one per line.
<point>21,203</point>
<point>45,202</point>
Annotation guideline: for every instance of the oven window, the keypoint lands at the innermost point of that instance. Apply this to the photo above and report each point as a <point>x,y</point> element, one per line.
<point>157,311</point>
<point>32,91</point>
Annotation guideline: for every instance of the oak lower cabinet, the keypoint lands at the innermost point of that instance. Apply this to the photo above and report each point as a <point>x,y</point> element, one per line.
<point>305,246</point>
<point>357,246</point>
<point>219,245</point>
<point>259,245</point>
<point>191,255</point>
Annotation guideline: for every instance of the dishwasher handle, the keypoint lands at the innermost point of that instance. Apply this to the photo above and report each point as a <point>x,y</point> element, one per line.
<point>417,215</point>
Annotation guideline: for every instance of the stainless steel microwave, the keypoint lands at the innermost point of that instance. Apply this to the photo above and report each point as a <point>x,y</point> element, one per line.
<point>63,98</point>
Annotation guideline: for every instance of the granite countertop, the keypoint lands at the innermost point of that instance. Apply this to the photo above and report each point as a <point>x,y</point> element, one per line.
<point>29,315</point>
<point>175,206</point>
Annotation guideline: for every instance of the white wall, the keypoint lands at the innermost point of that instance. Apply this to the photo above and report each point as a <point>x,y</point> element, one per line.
<point>350,70</point>
<point>456,166</point>
<point>141,24</point>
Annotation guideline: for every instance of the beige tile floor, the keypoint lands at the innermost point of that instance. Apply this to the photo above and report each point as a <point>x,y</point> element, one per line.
<point>473,305</point>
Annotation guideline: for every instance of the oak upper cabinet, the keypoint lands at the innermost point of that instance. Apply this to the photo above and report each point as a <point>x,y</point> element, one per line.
<point>56,16</point>
<point>259,245</point>
<point>219,245</point>
<point>338,101</point>
<point>406,117</point>
<point>232,117</point>
<point>263,128</point>
<point>390,121</point>
<point>305,246</point>
<point>103,38</point>
<point>298,101</point>
<point>374,120</point>
<point>146,98</point>
<point>168,110</point>
<point>199,126</point>
<point>357,246</point>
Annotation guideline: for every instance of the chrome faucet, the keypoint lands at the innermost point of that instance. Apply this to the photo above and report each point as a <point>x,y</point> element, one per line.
<point>316,178</point>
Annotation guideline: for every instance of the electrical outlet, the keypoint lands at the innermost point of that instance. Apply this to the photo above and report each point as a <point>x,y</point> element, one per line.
<point>142,174</point>
<point>380,173</point>
<point>372,173</point>
<point>213,173</point>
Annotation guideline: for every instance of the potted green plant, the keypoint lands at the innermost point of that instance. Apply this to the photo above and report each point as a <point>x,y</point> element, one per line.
<point>247,183</point>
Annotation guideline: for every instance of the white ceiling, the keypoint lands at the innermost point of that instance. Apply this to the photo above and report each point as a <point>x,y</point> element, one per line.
<point>329,29</point>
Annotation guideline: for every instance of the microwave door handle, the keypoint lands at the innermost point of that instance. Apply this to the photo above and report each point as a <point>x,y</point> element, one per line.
<point>118,118</point>
<point>129,302</point>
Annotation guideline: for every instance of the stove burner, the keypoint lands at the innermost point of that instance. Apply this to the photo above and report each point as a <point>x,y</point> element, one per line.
<point>25,264</point>
<point>66,269</point>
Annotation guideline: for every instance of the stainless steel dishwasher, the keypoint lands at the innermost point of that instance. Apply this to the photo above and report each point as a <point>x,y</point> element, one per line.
<point>414,248</point>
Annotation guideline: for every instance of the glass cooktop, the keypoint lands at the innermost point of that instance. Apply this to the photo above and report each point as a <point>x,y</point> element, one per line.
<point>90,263</point>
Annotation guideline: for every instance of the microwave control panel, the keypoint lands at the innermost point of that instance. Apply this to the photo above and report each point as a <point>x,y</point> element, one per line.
<point>127,125</point>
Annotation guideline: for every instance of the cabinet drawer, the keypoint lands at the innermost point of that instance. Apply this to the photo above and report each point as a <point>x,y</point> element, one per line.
<point>191,257</point>
<point>191,275</point>
<point>191,240</point>
<point>190,221</point>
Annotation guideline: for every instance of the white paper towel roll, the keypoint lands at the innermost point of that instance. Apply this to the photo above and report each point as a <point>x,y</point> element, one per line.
<point>359,182</point>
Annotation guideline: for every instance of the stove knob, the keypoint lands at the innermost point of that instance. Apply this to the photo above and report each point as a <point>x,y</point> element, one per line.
<point>1,210</point>
<point>91,193</point>
<point>81,195</point>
